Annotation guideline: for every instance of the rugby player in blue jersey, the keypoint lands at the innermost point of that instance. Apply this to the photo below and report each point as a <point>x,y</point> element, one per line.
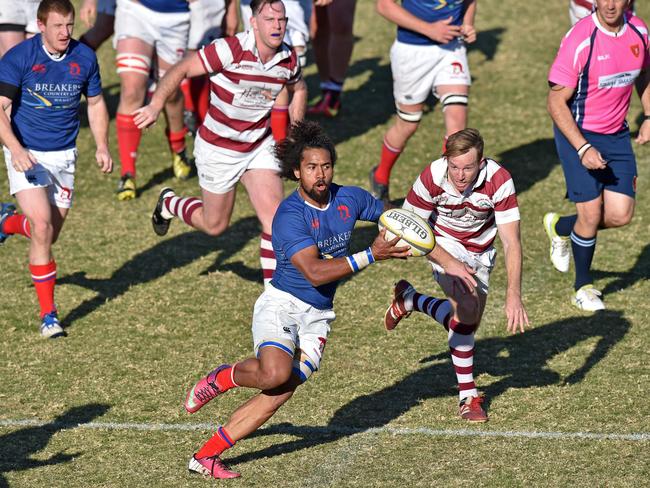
<point>42,79</point>
<point>291,319</point>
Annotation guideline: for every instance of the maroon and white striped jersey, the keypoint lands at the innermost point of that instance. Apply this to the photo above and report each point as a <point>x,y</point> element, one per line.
<point>242,91</point>
<point>471,217</point>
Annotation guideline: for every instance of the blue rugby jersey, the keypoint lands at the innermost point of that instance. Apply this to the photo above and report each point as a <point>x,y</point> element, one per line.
<point>46,92</point>
<point>429,11</point>
<point>298,225</point>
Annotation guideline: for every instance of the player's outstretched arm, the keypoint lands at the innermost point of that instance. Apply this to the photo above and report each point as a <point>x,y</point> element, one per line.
<point>453,267</point>
<point>320,271</point>
<point>188,67</point>
<point>98,121</point>
<point>21,158</point>
<point>298,104</point>
<point>514,307</point>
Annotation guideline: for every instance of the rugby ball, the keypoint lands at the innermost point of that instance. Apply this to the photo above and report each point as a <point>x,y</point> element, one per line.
<point>412,229</point>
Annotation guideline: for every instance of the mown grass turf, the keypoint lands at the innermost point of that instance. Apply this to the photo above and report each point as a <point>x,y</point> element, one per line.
<point>148,316</point>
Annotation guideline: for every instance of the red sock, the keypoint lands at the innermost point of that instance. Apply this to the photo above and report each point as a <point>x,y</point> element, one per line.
<point>218,443</point>
<point>200,93</point>
<point>182,207</point>
<point>187,95</point>
<point>176,140</point>
<point>225,378</point>
<point>279,123</point>
<point>17,224</point>
<point>44,278</point>
<point>389,157</point>
<point>128,141</point>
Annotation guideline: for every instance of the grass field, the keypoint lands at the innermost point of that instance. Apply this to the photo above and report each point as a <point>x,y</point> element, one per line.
<point>147,317</point>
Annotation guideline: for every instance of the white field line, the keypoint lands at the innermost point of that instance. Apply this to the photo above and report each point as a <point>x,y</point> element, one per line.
<point>328,431</point>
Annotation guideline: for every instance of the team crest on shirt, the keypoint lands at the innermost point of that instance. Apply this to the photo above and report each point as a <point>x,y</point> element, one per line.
<point>75,70</point>
<point>344,212</point>
<point>315,224</point>
<point>636,50</point>
<point>38,68</point>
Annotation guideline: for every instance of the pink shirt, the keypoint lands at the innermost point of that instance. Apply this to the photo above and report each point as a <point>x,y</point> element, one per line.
<point>601,66</point>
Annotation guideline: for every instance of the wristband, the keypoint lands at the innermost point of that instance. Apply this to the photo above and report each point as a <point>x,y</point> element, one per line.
<point>360,260</point>
<point>583,149</point>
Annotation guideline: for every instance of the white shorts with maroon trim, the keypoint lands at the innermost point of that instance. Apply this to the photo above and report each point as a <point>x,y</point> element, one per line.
<point>20,12</point>
<point>54,171</point>
<point>166,32</point>
<point>206,17</point>
<point>220,170</point>
<point>418,70</point>
<point>482,263</point>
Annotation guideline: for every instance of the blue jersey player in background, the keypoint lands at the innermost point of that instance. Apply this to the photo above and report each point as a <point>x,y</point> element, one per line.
<point>291,320</point>
<point>42,79</point>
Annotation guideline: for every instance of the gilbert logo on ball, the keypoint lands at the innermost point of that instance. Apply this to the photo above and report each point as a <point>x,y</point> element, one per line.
<point>412,229</point>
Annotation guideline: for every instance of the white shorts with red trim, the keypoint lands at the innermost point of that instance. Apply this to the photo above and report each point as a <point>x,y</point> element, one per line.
<point>418,70</point>
<point>54,170</point>
<point>482,263</point>
<point>220,170</point>
<point>21,12</point>
<point>166,32</point>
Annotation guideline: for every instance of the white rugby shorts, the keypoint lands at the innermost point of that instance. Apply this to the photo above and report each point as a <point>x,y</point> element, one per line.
<point>282,318</point>
<point>54,171</point>
<point>298,12</point>
<point>20,12</point>
<point>106,7</point>
<point>418,70</point>
<point>220,170</point>
<point>482,263</point>
<point>166,32</point>
<point>206,17</point>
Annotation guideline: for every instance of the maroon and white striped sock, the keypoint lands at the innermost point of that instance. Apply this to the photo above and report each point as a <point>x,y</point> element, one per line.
<point>267,258</point>
<point>439,309</point>
<point>461,345</point>
<point>181,207</point>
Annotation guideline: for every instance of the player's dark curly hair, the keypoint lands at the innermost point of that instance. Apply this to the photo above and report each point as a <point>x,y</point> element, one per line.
<point>303,135</point>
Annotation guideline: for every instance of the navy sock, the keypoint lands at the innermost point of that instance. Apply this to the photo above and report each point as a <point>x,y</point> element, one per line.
<point>583,253</point>
<point>564,225</point>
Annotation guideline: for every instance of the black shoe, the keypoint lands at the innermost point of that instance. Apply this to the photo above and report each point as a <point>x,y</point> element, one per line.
<point>161,224</point>
<point>126,189</point>
<point>377,189</point>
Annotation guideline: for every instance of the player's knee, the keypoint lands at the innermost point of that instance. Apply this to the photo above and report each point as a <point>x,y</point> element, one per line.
<point>132,94</point>
<point>468,310</point>
<point>274,376</point>
<point>42,230</point>
<point>620,219</point>
<point>216,228</point>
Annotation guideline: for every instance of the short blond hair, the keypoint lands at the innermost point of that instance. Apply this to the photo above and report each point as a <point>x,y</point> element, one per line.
<point>63,7</point>
<point>462,141</point>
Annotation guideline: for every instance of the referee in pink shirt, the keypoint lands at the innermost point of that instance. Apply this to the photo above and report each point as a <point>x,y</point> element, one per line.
<point>599,61</point>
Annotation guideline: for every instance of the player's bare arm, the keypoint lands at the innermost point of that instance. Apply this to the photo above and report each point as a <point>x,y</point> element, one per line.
<point>441,31</point>
<point>454,267</point>
<point>230,21</point>
<point>98,121</point>
<point>320,271</point>
<point>643,89</point>
<point>467,28</point>
<point>558,108</point>
<point>21,158</point>
<point>188,67</point>
<point>88,12</point>
<point>514,308</point>
<point>298,104</point>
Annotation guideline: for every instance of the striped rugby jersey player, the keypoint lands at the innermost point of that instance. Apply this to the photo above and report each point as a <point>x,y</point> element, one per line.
<point>242,91</point>
<point>471,217</point>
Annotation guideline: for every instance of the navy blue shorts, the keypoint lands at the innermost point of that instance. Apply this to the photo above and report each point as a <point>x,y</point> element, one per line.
<point>584,185</point>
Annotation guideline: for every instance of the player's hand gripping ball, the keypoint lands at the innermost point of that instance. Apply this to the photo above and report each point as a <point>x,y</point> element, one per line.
<point>412,229</point>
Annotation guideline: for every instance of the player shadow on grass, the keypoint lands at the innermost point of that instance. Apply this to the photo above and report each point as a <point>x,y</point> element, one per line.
<point>530,163</point>
<point>164,257</point>
<point>18,447</point>
<point>520,361</point>
<point>639,271</point>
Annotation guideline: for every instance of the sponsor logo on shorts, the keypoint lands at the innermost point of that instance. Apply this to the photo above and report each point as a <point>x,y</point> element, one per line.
<point>31,179</point>
<point>287,330</point>
<point>323,342</point>
<point>66,193</point>
<point>457,68</point>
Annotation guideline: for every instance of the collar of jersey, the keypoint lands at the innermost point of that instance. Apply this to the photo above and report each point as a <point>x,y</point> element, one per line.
<point>49,55</point>
<point>600,27</point>
<point>249,45</point>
